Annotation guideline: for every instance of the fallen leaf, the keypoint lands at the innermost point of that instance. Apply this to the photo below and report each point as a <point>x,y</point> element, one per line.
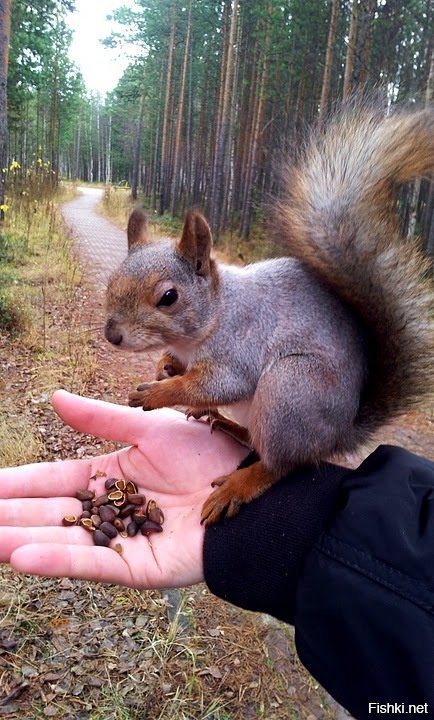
<point>50,711</point>
<point>211,670</point>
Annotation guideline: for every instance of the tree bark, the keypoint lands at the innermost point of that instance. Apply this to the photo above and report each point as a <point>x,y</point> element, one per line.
<point>5,30</point>
<point>364,42</point>
<point>414,204</point>
<point>137,148</point>
<point>349,62</point>
<point>108,166</point>
<point>331,41</point>
<point>217,188</point>
<point>176,156</point>
<point>165,133</point>
<point>200,145</point>
<point>90,171</point>
<point>246,215</point>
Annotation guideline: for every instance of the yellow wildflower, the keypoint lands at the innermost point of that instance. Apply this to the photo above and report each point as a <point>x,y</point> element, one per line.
<point>4,208</point>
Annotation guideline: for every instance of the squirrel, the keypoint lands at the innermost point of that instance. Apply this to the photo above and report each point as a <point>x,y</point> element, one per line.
<point>312,352</point>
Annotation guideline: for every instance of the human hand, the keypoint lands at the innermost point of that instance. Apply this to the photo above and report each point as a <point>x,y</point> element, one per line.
<point>170,459</point>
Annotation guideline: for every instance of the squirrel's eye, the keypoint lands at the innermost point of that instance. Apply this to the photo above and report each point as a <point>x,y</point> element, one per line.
<point>169,297</point>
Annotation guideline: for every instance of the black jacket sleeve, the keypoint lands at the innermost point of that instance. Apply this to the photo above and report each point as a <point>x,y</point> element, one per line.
<point>347,556</point>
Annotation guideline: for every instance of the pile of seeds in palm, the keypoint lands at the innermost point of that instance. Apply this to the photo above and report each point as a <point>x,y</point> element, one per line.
<point>121,510</point>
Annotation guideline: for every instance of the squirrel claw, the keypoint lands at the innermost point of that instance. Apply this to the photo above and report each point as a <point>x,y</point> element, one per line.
<point>219,482</point>
<point>139,397</point>
<point>195,413</point>
<point>213,510</point>
<point>134,400</point>
<point>234,490</point>
<point>221,503</point>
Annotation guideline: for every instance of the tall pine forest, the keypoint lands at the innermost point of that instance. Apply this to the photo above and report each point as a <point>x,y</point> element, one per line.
<point>214,96</point>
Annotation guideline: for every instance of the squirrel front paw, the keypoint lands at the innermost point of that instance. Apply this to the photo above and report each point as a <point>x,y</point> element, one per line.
<point>142,396</point>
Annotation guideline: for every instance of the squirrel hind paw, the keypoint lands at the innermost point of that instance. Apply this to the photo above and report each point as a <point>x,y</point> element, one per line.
<point>239,488</point>
<point>219,505</point>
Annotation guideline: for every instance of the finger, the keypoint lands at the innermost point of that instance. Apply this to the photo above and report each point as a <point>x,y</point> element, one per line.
<point>12,538</point>
<point>74,561</point>
<point>38,512</point>
<point>109,421</point>
<point>45,479</point>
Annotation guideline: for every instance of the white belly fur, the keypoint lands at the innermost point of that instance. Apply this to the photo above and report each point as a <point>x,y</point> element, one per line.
<point>238,412</point>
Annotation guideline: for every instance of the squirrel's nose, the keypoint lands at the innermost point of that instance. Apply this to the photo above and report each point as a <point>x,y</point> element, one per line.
<point>112,333</point>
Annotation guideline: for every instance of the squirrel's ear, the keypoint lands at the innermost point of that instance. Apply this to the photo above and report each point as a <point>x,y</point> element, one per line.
<point>196,242</point>
<point>137,230</point>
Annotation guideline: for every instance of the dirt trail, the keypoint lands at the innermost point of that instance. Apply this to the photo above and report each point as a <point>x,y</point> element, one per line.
<point>101,244</point>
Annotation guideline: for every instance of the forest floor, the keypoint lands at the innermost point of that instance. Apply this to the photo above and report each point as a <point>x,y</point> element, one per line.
<point>76,650</point>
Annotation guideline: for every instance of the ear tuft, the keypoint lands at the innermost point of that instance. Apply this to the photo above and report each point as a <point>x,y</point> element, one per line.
<point>137,230</point>
<point>196,242</point>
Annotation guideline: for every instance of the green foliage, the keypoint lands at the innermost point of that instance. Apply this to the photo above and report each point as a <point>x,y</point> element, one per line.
<point>12,250</point>
<point>167,224</point>
<point>12,253</point>
<point>44,88</point>
<point>12,319</point>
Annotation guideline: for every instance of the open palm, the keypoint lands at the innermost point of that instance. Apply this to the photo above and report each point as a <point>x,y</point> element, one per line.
<point>170,459</point>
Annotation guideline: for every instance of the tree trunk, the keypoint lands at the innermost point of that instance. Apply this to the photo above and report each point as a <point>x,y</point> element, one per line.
<point>217,187</point>
<point>5,30</point>
<point>246,216</point>
<point>188,185</point>
<point>429,246</point>
<point>137,148</point>
<point>156,158</point>
<point>90,171</point>
<point>98,141</point>
<point>200,145</point>
<point>331,41</point>
<point>221,86</point>
<point>164,172</point>
<point>76,170</point>
<point>228,165</point>
<point>349,62</point>
<point>108,166</point>
<point>364,42</point>
<point>414,204</point>
<point>54,124</point>
<point>176,155</point>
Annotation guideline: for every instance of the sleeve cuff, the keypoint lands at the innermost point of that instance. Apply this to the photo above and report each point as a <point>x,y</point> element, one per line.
<point>255,559</point>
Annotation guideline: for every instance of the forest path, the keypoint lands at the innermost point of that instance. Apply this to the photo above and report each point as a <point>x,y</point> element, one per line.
<point>101,244</point>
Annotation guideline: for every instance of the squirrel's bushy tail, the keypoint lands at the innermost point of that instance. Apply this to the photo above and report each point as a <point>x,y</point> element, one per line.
<point>338,215</point>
